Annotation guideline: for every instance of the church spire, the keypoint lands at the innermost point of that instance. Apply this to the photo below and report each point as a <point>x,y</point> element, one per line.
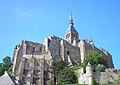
<point>71,24</point>
<point>71,19</point>
<point>71,33</point>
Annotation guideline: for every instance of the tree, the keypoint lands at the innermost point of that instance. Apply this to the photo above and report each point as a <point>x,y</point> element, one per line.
<point>1,71</point>
<point>94,58</point>
<point>63,73</point>
<point>67,76</point>
<point>7,59</point>
<point>56,68</point>
<point>6,65</point>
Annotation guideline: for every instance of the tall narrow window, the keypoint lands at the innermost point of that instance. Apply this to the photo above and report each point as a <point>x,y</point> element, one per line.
<point>68,53</point>
<point>34,49</point>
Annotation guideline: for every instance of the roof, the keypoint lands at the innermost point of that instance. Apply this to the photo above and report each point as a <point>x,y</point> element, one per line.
<point>89,65</point>
<point>7,79</point>
<point>71,27</point>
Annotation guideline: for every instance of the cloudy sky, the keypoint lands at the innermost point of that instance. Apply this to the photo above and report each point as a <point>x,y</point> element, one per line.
<point>34,20</point>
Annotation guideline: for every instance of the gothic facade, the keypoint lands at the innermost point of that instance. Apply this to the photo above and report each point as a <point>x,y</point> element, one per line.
<point>32,61</point>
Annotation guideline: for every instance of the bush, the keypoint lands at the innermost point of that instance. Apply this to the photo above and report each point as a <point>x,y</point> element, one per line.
<point>100,68</point>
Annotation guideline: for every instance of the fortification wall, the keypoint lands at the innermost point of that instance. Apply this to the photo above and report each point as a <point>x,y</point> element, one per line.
<point>110,75</point>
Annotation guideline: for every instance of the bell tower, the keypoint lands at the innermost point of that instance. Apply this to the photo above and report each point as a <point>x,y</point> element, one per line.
<point>71,33</point>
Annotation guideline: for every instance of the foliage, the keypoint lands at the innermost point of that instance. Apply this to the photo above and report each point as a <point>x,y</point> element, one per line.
<point>94,58</point>
<point>94,82</point>
<point>100,68</point>
<point>80,84</point>
<point>10,69</point>
<point>76,67</point>
<point>1,71</point>
<point>60,83</point>
<point>7,59</point>
<point>6,65</point>
<point>56,68</point>
<point>63,73</point>
<point>49,83</point>
<point>67,76</point>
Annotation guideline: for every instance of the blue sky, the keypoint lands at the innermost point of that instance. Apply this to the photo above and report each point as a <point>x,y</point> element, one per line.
<point>36,19</point>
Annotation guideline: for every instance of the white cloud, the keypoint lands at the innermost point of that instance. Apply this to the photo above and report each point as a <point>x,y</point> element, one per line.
<point>30,14</point>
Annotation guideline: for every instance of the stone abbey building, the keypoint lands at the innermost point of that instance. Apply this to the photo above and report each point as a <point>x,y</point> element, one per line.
<point>32,61</point>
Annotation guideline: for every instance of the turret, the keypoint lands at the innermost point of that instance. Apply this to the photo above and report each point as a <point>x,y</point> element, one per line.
<point>91,41</point>
<point>89,70</point>
<point>89,73</point>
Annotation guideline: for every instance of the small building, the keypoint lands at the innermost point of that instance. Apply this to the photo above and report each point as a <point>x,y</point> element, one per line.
<point>7,79</point>
<point>85,78</point>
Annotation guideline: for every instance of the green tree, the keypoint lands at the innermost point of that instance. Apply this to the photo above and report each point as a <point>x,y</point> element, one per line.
<point>56,68</point>
<point>1,71</point>
<point>63,73</point>
<point>6,65</point>
<point>7,59</point>
<point>94,58</point>
<point>67,76</point>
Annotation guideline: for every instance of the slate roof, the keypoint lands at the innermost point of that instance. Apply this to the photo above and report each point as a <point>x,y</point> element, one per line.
<point>71,28</point>
<point>7,79</point>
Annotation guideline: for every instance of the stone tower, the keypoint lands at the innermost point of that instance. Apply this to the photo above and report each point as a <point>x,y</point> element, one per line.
<point>89,73</point>
<point>89,69</point>
<point>71,33</point>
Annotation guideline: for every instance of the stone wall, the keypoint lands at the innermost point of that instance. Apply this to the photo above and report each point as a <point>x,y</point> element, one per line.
<point>110,75</point>
<point>72,51</point>
<point>53,49</point>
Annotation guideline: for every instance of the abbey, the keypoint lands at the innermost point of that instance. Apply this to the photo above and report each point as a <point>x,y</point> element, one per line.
<point>32,61</point>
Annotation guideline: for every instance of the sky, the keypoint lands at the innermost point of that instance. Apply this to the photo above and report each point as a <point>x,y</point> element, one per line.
<point>33,20</point>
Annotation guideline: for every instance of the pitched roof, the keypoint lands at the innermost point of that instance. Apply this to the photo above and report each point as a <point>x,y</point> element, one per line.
<point>71,28</point>
<point>7,79</point>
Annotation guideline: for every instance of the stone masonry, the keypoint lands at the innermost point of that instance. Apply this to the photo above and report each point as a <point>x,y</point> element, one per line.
<point>109,75</point>
<point>32,61</point>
